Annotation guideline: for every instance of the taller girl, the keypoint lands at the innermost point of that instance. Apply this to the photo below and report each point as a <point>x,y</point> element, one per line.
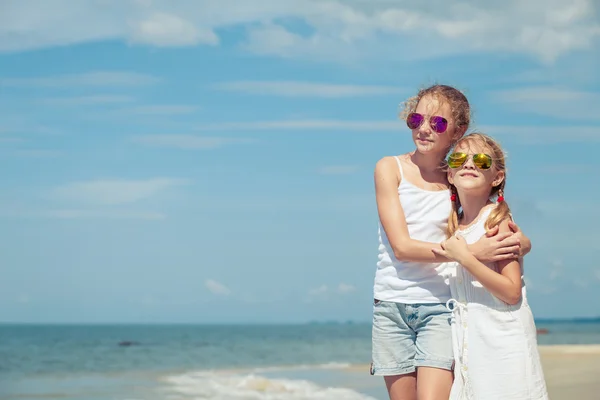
<point>412,340</point>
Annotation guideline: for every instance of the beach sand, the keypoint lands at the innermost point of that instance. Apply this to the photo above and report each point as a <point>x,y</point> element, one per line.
<point>571,373</point>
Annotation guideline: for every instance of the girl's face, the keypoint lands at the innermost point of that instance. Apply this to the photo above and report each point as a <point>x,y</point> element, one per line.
<point>472,168</point>
<point>432,125</point>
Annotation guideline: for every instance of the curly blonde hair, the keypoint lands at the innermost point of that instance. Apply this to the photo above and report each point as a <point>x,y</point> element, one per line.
<point>502,210</point>
<point>461,110</point>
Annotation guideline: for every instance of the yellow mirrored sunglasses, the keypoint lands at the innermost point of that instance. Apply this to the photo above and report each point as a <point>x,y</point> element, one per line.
<point>480,160</point>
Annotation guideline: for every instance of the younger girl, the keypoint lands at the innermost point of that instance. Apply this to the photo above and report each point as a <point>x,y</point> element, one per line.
<point>494,335</point>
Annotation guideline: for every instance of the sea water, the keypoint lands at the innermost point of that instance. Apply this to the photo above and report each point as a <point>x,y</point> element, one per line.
<point>160,362</point>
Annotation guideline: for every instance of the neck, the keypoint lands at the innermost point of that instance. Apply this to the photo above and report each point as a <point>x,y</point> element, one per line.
<point>429,162</point>
<point>472,206</point>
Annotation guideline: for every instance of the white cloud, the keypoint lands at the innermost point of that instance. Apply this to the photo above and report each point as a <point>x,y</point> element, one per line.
<point>551,101</point>
<point>541,288</point>
<point>161,29</point>
<point>345,288</point>
<point>161,109</point>
<point>574,208</point>
<point>580,283</point>
<point>324,290</point>
<point>556,169</point>
<point>337,30</point>
<point>521,133</point>
<point>187,141</point>
<point>321,290</point>
<point>101,214</point>
<point>86,100</point>
<point>338,169</point>
<point>556,269</point>
<point>93,78</point>
<point>116,191</point>
<point>37,153</point>
<point>11,139</point>
<point>324,124</point>
<point>544,134</point>
<point>306,89</point>
<point>217,288</point>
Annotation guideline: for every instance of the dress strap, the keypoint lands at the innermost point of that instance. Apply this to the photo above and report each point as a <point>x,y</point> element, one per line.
<point>399,167</point>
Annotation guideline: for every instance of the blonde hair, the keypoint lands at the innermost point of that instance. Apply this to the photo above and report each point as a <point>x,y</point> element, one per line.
<point>502,210</point>
<point>461,110</point>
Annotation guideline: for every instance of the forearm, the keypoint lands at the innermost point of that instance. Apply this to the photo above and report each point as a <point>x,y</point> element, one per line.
<point>499,285</point>
<point>418,251</point>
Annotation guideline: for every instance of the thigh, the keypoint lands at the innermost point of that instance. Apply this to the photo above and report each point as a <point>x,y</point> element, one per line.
<point>434,337</point>
<point>433,383</point>
<point>402,387</point>
<point>393,340</point>
<point>434,357</point>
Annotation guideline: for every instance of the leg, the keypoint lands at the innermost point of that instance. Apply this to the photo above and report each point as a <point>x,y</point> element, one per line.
<point>434,358</point>
<point>434,383</point>
<point>402,387</point>
<point>393,350</point>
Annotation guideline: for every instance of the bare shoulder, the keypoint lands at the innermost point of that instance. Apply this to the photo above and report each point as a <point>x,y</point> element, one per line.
<point>387,167</point>
<point>504,225</point>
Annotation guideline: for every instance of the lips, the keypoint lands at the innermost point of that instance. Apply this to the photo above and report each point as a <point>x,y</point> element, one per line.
<point>471,174</point>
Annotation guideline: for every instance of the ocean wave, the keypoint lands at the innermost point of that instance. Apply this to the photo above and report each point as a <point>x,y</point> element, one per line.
<point>224,386</point>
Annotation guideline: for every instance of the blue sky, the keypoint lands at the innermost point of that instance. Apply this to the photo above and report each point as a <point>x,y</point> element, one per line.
<point>204,161</point>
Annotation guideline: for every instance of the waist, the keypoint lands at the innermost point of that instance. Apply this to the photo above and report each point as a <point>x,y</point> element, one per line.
<point>419,283</point>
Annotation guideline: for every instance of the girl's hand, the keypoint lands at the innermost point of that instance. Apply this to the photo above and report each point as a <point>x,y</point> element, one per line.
<point>454,248</point>
<point>497,246</point>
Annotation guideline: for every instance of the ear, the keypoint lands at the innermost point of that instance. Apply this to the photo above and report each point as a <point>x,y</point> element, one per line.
<point>498,179</point>
<point>450,176</point>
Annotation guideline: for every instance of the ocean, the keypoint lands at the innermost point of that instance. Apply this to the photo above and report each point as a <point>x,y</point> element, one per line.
<point>212,362</point>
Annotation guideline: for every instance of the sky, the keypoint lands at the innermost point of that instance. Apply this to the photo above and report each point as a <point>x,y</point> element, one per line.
<point>179,161</point>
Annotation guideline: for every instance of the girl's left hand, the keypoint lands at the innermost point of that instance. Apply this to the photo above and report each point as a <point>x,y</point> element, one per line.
<point>454,248</point>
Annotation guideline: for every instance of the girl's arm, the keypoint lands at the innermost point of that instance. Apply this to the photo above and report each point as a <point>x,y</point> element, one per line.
<point>505,284</point>
<point>393,221</point>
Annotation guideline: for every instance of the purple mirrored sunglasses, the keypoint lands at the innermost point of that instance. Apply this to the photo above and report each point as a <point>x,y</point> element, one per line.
<point>438,124</point>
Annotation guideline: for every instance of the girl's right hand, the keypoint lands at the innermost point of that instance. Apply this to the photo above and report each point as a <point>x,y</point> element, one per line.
<point>496,246</point>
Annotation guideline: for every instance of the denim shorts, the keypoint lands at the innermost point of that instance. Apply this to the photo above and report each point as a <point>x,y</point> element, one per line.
<point>408,336</point>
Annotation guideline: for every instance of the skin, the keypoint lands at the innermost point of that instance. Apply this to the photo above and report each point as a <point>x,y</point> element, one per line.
<point>474,187</point>
<point>422,168</point>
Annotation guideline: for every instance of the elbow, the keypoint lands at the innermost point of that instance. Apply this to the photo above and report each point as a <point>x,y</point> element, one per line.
<point>400,254</point>
<point>514,297</point>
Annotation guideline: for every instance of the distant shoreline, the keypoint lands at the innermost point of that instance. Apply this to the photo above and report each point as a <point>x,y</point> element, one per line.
<point>577,320</point>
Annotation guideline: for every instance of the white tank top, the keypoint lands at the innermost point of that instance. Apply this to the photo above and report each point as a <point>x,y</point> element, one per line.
<point>407,282</point>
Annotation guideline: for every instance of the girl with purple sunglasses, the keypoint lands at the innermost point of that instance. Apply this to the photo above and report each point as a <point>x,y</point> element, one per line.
<point>411,334</point>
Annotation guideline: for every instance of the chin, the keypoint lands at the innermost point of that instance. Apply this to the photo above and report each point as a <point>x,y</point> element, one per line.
<point>427,149</point>
<point>471,190</point>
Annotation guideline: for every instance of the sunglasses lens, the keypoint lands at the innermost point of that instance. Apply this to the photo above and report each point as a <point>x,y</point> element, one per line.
<point>455,160</point>
<point>414,120</point>
<point>482,161</point>
<point>439,124</point>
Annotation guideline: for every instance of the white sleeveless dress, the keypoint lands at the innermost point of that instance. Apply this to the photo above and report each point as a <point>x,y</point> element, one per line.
<point>495,344</point>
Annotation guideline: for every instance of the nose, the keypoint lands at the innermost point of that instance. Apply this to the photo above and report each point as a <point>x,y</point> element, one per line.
<point>469,163</point>
<point>425,128</point>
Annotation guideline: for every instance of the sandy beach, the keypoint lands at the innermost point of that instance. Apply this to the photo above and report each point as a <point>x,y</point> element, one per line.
<point>571,372</point>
